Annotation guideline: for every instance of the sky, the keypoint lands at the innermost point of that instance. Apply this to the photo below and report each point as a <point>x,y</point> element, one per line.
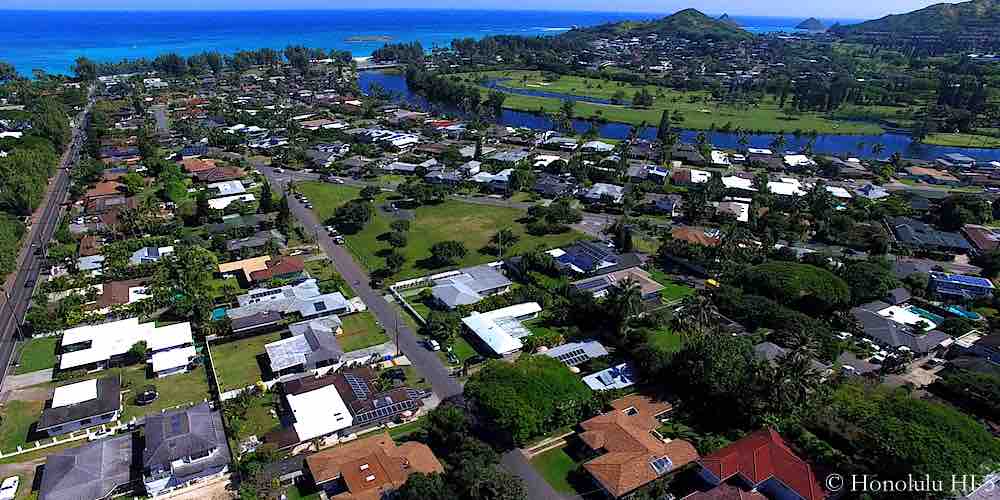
<point>852,9</point>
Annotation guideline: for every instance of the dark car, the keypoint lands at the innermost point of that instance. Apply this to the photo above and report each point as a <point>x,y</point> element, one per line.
<point>146,396</point>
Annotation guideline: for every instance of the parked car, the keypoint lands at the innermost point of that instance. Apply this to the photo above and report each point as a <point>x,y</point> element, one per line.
<point>8,488</point>
<point>147,396</point>
<point>101,434</point>
<point>338,240</point>
<point>433,345</point>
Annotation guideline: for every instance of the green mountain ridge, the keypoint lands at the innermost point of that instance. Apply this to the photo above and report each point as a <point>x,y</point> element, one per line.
<point>688,23</point>
<point>940,18</point>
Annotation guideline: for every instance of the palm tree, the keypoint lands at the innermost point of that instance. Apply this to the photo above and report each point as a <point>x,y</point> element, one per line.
<point>743,141</point>
<point>696,316</point>
<point>625,302</point>
<point>779,143</point>
<point>877,149</point>
<point>504,238</point>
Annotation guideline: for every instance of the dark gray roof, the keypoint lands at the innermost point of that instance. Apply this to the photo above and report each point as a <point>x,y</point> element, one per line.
<point>256,241</point>
<point>178,434</point>
<point>770,352</point>
<point>912,232</point>
<point>108,400</point>
<point>576,353</point>
<point>897,296</point>
<point>890,333</point>
<point>87,472</point>
<point>257,320</point>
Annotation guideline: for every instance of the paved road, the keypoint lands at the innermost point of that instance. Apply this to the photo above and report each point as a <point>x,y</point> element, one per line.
<point>17,298</point>
<point>427,362</point>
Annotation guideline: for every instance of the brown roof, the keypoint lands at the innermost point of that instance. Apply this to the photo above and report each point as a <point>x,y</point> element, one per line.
<point>195,165</point>
<point>647,285</point>
<point>279,267</point>
<point>103,188</point>
<point>725,492</point>
<point>625,437</point>
<point>985,239</point>
<point>219,174</point>
<point>761,456</point>
<point>115,293</point>
<point>89,246</point>
<point>694,235</point>
<point>247,266</point>
<point>372,466</point>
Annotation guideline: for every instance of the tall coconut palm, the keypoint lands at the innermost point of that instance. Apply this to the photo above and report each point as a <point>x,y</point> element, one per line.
<point>696,316</point>
<point>779,143</point>
<point>877,149</point>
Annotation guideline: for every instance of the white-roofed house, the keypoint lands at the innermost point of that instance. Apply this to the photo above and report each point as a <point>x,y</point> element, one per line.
<point>225,201</point>
<point>81,405</point>
<point>500,331</point>
<point>227,188</point>
<point>317,408</point>
<point>96,347</point>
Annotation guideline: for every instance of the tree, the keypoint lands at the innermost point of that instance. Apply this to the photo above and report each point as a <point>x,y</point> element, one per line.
<point>805,287</point>
<point>528,398</point>
<point>396,239</point>
<point>989,262</point>
<point>353,216</point>
<point>504,238</point>
<point>394,261</point>
<point>85,69</point>
<point>957,211</point>
<point>134,183</point>
<point>400,225</point>
<point>183,281</point>
<point>137,353</point>
<point>266,198</point>
<point>664,128</point>
<point>868,281</point>
<point>7,73</point>
<point>447,253</point>
<point>442,326</point>
<point>420,486</point>
<point>369,193</point>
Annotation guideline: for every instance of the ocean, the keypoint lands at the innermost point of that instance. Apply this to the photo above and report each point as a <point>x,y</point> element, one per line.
<point>51,40</point>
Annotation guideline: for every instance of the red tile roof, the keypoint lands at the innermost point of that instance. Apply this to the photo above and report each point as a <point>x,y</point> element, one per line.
<point>725,492</point>
<point>761,456</point>
<point>280,267</point>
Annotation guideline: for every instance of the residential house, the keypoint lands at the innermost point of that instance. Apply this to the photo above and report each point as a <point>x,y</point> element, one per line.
<point>234,221</point>
<point>761,462</point>
<point>630,452</point>
<point>119,293</point>
<point>183,447</point>
<point>223,173</point>
<point>688,154</point>
<point>771,352</point>
<point>316,407</point>
<point>470,168</point>
<point>242,269</point>
<point>223,203</point>
<point>509,158</point>
<point>96,347</point>
<point>920,236</point>
<point>689,176</point>
<point>592,258</point>
<point>620,376</point>
<point>577,353</point>
<point>648,172</point>
<point>469,286</point>
<point>368,405</point>
<point>872,192</point>
<point>370,468</point>
<point>444,177</point>
<point>500,330</point>
<point>669,204</point>
<point>596,147</point>
<point>983,239</point>
<point>82,405</point>
<point>553,186</point>
<point>148,255</point>
<point>600,286</point>
<point>975,343</point>
<point>258,240</point>
<point>498,182</point>
<point>94,470</point>
<point>561,143</point>
<point>281,268</point>
<point>897,327</point>
<point>303,299</point>
<point>312,345</point>
<point>931,176</point>
<point>960,287</point>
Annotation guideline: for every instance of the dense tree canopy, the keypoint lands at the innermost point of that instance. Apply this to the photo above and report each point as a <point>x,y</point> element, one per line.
<point>802,286</point>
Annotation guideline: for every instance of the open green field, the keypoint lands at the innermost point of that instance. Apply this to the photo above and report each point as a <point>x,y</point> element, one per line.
<point>236,362</point>
<point>698,110</point>
<point>667,340</point>
<point>473,225</point>
<point>360,331</point>
<point>37,354</point>
<point>963,140</point>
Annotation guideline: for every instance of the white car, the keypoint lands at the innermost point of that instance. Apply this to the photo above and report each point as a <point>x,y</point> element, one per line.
<point>8,489</point>
<point>94,436</point>
<point>433,345</point>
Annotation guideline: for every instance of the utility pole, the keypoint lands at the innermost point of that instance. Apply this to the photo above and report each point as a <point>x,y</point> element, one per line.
<point>13,316</point>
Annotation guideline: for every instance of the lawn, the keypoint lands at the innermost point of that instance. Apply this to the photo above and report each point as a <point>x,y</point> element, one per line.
<point>37,354</point>
<point>236,362</point>
<point>963,140</point>
<point>407,429</point>
<point>190,387</point>
<point>556,466</point>
<point>667,340</point>
<point>17,422</point>
<point>258,420</point>
<point>675,291</point>
<point>360,331</point>
<point>329,279</point>
<point>296,492</point>
<point>472,225</point>
<point>698,110</point>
